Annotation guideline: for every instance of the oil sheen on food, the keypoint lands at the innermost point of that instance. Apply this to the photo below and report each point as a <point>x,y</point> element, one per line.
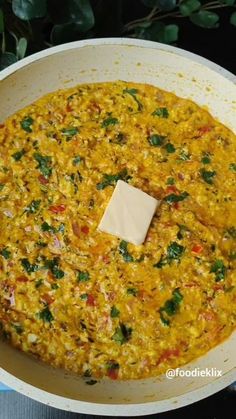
<point>84,300</point>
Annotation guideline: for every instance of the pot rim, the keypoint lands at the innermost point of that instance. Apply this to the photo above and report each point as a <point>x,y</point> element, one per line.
<point>102,408</point>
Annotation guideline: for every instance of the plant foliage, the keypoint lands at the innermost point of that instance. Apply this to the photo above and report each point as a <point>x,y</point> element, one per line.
<point>28,26</point>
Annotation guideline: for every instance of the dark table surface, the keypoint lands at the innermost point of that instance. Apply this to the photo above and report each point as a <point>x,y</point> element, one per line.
<point>220,406</point>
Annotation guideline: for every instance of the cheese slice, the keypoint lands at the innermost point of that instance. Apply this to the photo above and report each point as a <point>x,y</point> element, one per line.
<point>129,213</point>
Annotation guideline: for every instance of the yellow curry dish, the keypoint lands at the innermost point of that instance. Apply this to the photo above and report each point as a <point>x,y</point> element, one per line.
<point>89,302</point>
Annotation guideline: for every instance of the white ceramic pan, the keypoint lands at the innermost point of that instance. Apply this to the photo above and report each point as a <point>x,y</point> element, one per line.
<point>102,60</point>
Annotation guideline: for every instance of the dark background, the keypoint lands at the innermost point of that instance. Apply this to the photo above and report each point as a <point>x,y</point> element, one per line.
<point>218,45</point>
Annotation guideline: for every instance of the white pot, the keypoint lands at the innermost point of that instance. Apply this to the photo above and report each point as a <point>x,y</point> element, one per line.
<point>172,69</point>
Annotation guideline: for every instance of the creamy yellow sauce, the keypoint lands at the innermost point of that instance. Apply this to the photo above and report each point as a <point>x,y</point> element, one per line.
<point>84,300</point>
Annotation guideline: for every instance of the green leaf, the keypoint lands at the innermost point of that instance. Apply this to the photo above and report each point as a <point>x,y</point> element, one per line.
<point>26,124</point>
<point>33,206</point>
<point>219,269</point>
<point>109,180</point>
<point>161,4</point>
<point>115,312</point>
<point>232,167</point>
<point>72,11</point>
<point>52,265</point>
<point>156,140</point>
<point>170,148</point>
<point>161,112</point>
<point>6,59</point>
<point>172,198</point>
<point>166,4</point>
<point>171,306</point>
<point>208,176</point>
<point>77,160</point>
<point>206,159</point>
<point>169,34</point>
<point>18,155</point>
<point>46,315</point>
<point>21,48</point>
<point>29,9</point>
<point>83,276</point>
<point>228,2</point>
<point>170,181</point>
<point>122,334</point>
<point>109,121</point>
<point>133,92</point>
<point>187,7</point>
<point>1,21</point>
<point>233,19</point>
<point>205,19</point>
<point>175,251</point>
<point>123,249</point>
<point>44,164</point>
<point>29,267</point>
<point>5,253</point>
<point>69,132</point>
<point>62,34</point>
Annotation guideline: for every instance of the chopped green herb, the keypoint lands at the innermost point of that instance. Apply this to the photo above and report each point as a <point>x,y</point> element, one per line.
<point>219,269</point>
<point>83,276</point>
<point>206,159</point>
<point>87,373</point>
<point>77,160</point>
<point>2,186</point>
<point>172,198</point>
<point>122,334</point>
<point>5,253</point>
<point>29,267</point>
<point>84,297</point>
<point>70,132</point>
<point>109,180</point>
<point>46,315</point>
<point>46,227</point>
<point>44,164</point>
<point>174,251</point>
<point>156,140</point>
<point>38,283</point>
<point>133,93</point>
<point>115,312</point>
<point>132,291</point>
<point>33,206</point>
<point>18,328</point>
<point>184,155</point>
<point>52,265</point>
<point>161,112</point>
<point>18,154</point>
<point>124,251</point>
<point>232,167</point>
<point>170,181</point>
<point>208,176</point>
<point>109,121</point>
<point>27,123</point>
<point>164,320</point>
<point>170,148</point>
<point>54,286</point>
<point>171,306</point>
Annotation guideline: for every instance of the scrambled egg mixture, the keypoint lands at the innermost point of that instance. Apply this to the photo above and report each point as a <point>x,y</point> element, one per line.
<point>84,300</point>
